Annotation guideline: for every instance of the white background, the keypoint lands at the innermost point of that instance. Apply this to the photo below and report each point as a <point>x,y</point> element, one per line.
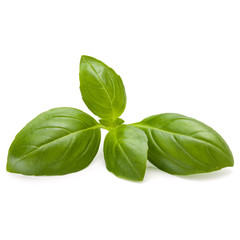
<point>173,56</point>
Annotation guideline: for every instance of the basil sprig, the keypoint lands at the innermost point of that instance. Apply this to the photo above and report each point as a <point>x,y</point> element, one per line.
<point>66,140</point>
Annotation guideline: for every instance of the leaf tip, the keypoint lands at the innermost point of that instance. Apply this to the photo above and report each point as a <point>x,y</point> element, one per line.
<point>85,58</point>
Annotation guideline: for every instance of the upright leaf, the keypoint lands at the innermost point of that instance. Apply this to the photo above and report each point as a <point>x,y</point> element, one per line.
<point>125,152</point>
<point>102,89</point>
<point>183,145</point>
<point>56,142</point>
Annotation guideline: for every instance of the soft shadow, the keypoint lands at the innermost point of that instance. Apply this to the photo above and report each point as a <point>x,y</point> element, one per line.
<point>208,176</point>
<point>225,172</point>
<point>31,178</point>
<point>152,169</point>
<point>152,172</point>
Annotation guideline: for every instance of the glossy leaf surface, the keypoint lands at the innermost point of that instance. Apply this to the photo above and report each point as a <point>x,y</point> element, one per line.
<point>125,152</point>
<point>183,145</point>
<point>102,89</point>
<point>56,142</point>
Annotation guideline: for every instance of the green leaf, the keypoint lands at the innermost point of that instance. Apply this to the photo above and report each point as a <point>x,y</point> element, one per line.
<point>182,145</point>
<point>125,152</point>
<point>102,89</point>
<point>111,124</point>
<point>56,142</point>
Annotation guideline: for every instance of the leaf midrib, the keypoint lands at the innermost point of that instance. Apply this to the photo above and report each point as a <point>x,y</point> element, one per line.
<point>104,87</point>
<point>81,130</point>
<point>173,133</point>
<point>128,160</point>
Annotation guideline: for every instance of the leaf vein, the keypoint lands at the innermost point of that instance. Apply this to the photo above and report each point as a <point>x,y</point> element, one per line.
<point>128,160</point>
<point>104,87</point>
<point>81,130</point>
<point>173,133</point>
<point>187,153</point>
<point>167,155</point>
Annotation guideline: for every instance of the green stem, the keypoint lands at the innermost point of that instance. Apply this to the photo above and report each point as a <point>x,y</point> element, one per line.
<point>104,127</point>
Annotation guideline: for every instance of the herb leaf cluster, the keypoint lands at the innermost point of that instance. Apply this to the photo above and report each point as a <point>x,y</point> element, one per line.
<point>66,140</point>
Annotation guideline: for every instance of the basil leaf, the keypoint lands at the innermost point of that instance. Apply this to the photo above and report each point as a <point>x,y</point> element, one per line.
<point>56,142</point>
<point>102,89</point>
<point>125,152</point>
<point>183,145</point>
<point>115,123</point>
